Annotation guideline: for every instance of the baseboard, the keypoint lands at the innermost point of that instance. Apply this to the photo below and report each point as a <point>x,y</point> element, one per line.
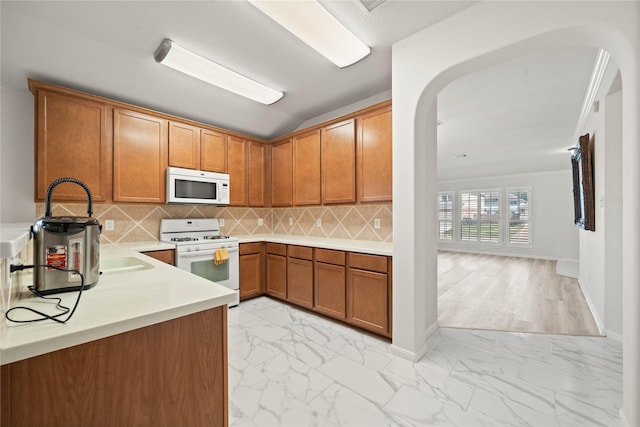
<point>490,251</point>
<point>623,419</point>
<point>613,335</point>
<point>568,267</point>
<point>592,309</point>
<point>417,355</point>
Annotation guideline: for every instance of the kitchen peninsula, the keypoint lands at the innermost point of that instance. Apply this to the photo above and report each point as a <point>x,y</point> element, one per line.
<point>146,346</point>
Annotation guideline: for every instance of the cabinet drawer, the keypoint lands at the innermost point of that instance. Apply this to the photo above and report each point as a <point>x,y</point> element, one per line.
<point>330,256</point>
<point>250,248</point>
<point>301,252</point>
<point>368,262</point>
<point>277,249</point>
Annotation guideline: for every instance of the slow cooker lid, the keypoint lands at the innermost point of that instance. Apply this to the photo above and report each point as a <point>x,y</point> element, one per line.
<point>68,220</point>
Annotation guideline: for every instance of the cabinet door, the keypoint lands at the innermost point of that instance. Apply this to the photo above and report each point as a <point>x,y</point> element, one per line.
<point>250,275</point>
<point>237,167</point>
<point>256,174</point>
<point>368,300</point>
<point>329,290</point>
<point>281,174</point>
<point>73,140</point>
<point>140,157</point>
<point>277,276</point>
<point>339,163</point>
<point>300,282</point>
<point>375,156</point>
<point>306,169</point>
<point>213,151</point>
<point>184,146</point>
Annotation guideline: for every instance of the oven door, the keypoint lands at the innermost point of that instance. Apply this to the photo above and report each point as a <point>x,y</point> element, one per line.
<point>226,274</point>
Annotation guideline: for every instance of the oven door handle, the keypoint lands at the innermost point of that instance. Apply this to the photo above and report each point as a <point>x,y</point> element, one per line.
<point>200,254</point>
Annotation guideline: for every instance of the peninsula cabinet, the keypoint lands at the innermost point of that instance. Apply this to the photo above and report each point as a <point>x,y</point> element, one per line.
<point>329,283</point>
<point>300,275</point>
<point>172,373</point>
<point>236,167</point>
<point>251,283</point>
<point>306,169</point>
<point>281,173</point>
<point>374,156</point>
<point>73,138</point>
<point>140,157</point>
<point>276,270</point>
<point>339,163</point>
<point>368,292</point>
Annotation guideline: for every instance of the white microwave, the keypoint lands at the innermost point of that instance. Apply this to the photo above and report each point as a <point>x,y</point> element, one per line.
<point>191,187</point>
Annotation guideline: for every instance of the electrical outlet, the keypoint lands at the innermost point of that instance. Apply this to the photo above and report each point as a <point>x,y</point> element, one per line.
<point>109,225</point>
<point>318,222</point>
<point>376,223</point>
<point>260,221</point>
<point>290,221</point>
<point>221,222</point>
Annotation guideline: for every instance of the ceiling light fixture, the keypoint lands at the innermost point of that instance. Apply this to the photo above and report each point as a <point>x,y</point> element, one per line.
<point>194,65</point>
<point>315,26</point>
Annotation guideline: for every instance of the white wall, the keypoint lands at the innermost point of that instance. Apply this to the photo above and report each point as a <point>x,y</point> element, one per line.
<point>553,234</point>
<point>17,161</point>
<point>482,35</point>
<point>612,205</point>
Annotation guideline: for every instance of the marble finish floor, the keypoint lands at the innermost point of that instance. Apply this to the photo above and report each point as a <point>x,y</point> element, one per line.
<point>289,367</point>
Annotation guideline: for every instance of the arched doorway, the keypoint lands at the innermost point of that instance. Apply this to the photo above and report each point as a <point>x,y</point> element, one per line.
<point>483,35</point>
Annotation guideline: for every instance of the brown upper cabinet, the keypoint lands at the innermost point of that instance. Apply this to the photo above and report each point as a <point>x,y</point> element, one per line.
<point>256,174</point>
<point>281,173</point>
<point>339,163</point>
<point>306,169</point>
<point>192,147</point>
<point>237,165</point>
<point>374,156</point>
<point>184,145</point>
<point>213,151</point>
<point>140,157</point>
<point>73,139</point>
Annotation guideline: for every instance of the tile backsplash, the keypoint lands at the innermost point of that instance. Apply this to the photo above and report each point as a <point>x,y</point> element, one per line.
<point>142,222</point>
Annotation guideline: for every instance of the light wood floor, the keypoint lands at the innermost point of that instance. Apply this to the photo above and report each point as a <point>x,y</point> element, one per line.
<point>509,294</point>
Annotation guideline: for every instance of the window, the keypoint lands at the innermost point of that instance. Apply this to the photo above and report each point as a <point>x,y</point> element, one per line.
<point>445,216</point>
<point>519,217</point>
<point>480,216</point>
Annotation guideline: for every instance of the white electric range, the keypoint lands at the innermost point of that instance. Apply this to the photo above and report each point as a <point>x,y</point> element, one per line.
<point>197,240</point>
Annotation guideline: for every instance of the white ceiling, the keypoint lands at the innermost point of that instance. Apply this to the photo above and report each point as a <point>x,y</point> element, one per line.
<point>526,109</point>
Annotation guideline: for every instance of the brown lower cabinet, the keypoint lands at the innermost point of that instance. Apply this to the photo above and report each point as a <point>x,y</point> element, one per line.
<point>352,287</point>
<point>251,283</point>
<point>276,282</point>
<point>166,255</point>
<point>300,275</point>
<point>172,373</point>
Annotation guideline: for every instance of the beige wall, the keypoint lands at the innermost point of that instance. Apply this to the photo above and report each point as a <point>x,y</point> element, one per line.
<point>142,222</point>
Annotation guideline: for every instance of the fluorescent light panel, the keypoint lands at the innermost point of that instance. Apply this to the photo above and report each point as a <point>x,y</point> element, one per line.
<point>315,26</point>
<point>194,65</point>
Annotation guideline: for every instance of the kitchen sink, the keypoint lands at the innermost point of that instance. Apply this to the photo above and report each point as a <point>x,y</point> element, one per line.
<point>123,265</point>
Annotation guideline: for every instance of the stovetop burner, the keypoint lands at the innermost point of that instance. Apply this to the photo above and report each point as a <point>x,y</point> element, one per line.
<point>194,232</point>
<point>184,239</point>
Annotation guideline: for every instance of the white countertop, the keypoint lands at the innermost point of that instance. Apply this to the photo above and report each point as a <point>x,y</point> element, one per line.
<point>120,302</point>
<point>363,246</point>
<point>13,238</point>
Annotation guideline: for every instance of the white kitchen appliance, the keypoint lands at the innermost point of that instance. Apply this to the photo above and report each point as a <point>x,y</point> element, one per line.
<point>192,187</point>
<point>197,241</point>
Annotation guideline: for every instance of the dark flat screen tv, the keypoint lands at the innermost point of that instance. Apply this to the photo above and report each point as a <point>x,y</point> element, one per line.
<point>583,189</point>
